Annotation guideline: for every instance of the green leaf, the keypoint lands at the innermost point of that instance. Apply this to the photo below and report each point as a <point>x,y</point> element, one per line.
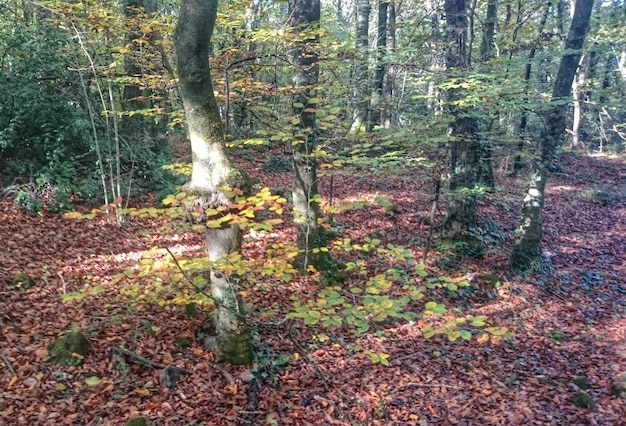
<point>465,335</point>
<point>430,305</point>
<point>92,381</point>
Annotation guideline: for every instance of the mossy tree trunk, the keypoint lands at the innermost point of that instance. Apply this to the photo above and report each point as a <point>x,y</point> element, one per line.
<point>528,249</point>
<point>212,170</point>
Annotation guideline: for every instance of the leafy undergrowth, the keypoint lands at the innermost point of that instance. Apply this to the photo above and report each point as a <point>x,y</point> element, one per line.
<point>569,332</point>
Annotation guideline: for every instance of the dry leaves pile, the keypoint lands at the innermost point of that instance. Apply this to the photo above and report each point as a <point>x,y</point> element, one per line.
<point>569,333</point>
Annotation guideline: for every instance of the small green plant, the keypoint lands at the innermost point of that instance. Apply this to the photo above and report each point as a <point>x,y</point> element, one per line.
<point>183,342</point>
<point>277,164</point>
<point>583,400</point>
<point>557,336</point>
<point>582,383</point>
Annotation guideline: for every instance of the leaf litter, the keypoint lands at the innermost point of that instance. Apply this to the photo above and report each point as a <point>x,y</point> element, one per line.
<point>567,330</point>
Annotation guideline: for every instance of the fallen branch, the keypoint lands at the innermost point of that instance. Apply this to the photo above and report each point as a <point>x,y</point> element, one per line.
<point>168,375</point>
<point>428,385</point>
<point>8,364</point>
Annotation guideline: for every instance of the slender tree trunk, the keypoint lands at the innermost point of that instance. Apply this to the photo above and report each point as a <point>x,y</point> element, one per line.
<point>310,235</point>
<point>434,45</point>
<point>518,164</point>
<point>240,112</point>
<point>388,109</point>
<point>489,31</point>
<point>528,249</point>
<point>579,98</point>
<point>361,73</point>
<point>211,171</point>
<point>379,75</point>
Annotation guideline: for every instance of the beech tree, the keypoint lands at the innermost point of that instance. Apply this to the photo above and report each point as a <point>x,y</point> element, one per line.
<point>212,170</point>
<point>305,16</point>
<point>527,250</point>
<point>466,147</point>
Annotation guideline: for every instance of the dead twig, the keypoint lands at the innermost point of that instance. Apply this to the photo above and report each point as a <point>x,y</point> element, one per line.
<point>8,364</point>
<point>428,385</point>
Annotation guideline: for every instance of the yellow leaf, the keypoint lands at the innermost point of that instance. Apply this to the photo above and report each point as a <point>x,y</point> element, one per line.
<point>197,351</point>
<point>12,381</point>
<point>143,392</point>
<point>60,387</point>
<point>483,338</point>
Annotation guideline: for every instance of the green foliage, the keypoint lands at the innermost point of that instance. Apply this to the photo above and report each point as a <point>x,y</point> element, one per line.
<point>583,400</point>
<point>557,336</point>
<point>22,281</point>
<point>372,300</point>
<point>277,164</point>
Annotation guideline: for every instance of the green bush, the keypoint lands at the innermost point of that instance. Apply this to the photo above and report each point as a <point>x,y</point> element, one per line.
<point>277,164</point>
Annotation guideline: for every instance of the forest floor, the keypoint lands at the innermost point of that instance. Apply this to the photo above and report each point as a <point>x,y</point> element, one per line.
<point>569,331</point>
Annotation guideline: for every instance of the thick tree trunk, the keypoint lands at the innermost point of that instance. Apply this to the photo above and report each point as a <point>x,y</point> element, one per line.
<point>467,151</point>
<point>211,171</point>
<point>528,249</point>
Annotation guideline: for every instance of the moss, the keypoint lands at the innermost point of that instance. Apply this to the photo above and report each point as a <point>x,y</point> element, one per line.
<point>526,258</point>
<point>581,399</point>
<point>467,245</point>
<point>619,387</point>
<point>138,421</point>
<point>236,349</point>
<point>582,383</point>
<point>62,350</point>
<point>22,281</point>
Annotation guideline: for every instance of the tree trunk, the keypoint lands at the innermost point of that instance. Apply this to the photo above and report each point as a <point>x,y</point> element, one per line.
<point>489,30</point>
<point>361,77</point>
<point>379,75</point>
<point>211,171</point>
<point>310,235</point>
<point>388,110</point>
<point>521,134</point>
<point>527,250</point>
<point>466,149</point>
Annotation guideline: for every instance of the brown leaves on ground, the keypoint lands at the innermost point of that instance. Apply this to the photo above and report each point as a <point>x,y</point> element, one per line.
<point>570,328</point>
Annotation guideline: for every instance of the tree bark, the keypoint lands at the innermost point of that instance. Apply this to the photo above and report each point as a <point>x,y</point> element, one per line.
<point>521,134</point>
<point>310,235</point>
<point>466,148</point>
<point>381,55</point>
<point>211,171</point>
<point>390,73</point>
<point>361,77</point>
<point>527,251</point>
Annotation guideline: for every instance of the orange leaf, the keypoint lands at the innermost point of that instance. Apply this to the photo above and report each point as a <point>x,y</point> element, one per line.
<point>483,338</point>
<point>496,339</point>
